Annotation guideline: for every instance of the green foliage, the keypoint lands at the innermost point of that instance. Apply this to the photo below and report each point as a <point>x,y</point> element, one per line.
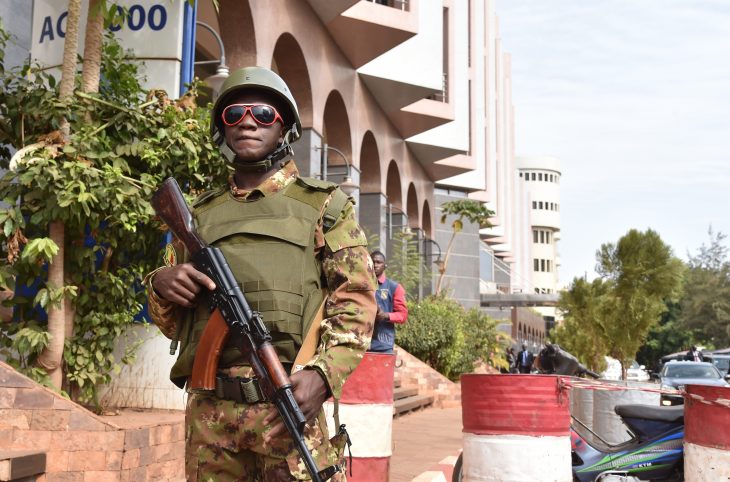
<point>406,265</point>
<point>579,333</point>
<point>124,142</point>
<point>613,314</point>
<point>448,338</point>
<point>473,211</point>
<point>669,336</point>
<point>706,299</point>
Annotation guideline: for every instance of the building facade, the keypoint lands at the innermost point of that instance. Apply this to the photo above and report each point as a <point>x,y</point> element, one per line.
<point>410,98</point>
<point>541,176</point>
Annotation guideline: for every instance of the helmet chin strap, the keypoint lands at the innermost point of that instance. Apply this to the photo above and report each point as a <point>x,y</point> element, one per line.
<point>284,149</point>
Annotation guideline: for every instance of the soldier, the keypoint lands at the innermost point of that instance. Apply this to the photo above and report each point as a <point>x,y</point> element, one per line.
<point>291,242</point>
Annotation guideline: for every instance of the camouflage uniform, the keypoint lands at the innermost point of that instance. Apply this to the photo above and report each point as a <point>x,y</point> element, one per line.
<point>224,439</point>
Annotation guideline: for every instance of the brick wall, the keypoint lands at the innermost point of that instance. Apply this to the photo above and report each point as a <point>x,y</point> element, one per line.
<point>413,373</point>
<point>83,447</point>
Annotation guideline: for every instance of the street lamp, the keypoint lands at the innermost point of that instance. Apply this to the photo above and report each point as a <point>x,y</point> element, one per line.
<point>347,185</point>
<point>221,72</point>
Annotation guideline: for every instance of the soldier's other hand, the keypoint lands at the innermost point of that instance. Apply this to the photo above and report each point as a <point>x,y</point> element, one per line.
<point>310,392</point>
<point>181,284</point>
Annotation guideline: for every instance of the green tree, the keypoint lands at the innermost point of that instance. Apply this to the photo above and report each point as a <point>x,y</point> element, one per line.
<point>668,336</point>
<point>706,300</point>
<point>642,275</point>
<point>406,265</point>
<point>122,142</point>
<point>463,209</point>
<point>580,334</point>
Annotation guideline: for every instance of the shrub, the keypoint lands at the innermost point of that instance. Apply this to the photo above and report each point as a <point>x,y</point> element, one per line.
<point>448,338</point>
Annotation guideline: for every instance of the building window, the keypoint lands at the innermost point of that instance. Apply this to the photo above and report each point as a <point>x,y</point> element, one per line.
<point>542,265</point>
<point>536,263</point>
<point>520,174</point>
<point>534,204</point>
<point>539,176</point>
<point>534,235</point>
<point>540,204</point>
<point>533,176</point>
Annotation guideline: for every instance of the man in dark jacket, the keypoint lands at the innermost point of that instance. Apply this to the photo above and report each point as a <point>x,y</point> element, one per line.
<point>525,358</point>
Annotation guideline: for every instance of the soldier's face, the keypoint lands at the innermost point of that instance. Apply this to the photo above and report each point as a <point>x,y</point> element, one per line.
<point>250,140</point>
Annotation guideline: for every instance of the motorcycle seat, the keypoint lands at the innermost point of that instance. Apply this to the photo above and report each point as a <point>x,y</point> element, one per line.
<point>651,412</point>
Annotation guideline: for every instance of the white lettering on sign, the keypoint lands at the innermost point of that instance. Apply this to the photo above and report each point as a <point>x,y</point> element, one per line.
<point>151,29</point>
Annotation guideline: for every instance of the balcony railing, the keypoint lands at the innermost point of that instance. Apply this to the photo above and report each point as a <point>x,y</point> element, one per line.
<point>398,4</point>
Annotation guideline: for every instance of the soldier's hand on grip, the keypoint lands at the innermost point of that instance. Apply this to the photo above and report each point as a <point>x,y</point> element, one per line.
<point>181,284</point>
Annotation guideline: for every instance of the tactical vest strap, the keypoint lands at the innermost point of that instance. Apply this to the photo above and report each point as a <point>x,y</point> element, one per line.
<point>334,209</point>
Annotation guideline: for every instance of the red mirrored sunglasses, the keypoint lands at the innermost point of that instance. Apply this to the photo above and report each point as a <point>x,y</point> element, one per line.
<point>263,114</point>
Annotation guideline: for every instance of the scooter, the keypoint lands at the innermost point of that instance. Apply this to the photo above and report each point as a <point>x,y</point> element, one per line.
<point>654,452</point>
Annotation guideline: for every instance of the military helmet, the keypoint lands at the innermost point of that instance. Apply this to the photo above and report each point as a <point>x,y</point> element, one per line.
<point>259,78</point>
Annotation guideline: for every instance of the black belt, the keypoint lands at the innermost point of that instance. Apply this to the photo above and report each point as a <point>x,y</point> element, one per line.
<point>238,389</point>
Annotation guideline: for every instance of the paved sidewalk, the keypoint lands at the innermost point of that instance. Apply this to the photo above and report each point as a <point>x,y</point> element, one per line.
<point>423,439</point>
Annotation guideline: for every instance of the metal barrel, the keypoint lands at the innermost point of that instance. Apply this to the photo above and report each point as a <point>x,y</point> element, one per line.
<point>516,428</point>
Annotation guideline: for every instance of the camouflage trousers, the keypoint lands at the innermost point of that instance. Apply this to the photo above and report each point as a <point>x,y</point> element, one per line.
<point>224,442</point>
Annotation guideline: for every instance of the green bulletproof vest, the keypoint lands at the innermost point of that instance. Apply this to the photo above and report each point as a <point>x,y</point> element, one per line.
<point>269,245</point>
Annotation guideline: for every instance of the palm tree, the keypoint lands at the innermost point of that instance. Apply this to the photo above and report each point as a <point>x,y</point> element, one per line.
<point>474,212</point>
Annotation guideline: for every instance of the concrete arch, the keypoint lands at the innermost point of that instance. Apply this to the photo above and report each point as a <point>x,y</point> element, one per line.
<point>289,62</point>
<point>234,17</point>
<point>370,177</point>
<point>412,207</point>
<point>393,186</point>
<point>426,223</point>
<point>336,131</point>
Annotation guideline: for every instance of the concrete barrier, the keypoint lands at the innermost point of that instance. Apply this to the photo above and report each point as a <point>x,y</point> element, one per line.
<point>509,419</point>
<point>366,408</point>
<point>707,434</point>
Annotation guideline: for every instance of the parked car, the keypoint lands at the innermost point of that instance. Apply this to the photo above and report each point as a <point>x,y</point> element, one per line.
<point>637,373</point>
<point>721,362</point>
<point>634,372</point>
<point>676,374</point>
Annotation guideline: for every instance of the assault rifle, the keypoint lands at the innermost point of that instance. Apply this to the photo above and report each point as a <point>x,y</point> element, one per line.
<point>246,327</point>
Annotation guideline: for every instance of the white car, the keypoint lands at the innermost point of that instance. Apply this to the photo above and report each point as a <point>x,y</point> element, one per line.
<point>634,373</point>
<point>637,373</point>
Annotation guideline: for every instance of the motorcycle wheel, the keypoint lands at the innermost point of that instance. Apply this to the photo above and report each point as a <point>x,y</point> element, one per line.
<point>456,475</point>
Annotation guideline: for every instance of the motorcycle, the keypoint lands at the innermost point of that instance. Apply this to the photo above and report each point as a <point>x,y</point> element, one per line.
<point>654,452</point>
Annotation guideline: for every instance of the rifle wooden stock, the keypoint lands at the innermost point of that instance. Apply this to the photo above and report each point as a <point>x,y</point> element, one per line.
<point>170,206</point>
<point>209,352</point>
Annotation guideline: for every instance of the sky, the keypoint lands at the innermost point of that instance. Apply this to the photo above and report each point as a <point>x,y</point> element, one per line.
<point>633,97</point>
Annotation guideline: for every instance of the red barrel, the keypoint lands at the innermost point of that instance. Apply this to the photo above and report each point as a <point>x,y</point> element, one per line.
<point>506,417</point>
<point>366,408</point>
<point>706,434</point>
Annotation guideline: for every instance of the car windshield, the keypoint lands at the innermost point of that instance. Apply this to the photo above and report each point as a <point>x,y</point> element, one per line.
<point>722,364</point>
<point>691,371</point>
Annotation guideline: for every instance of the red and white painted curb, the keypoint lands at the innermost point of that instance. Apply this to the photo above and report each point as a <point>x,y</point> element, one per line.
<point>509,418</point>
<point>443,472</point>
<point>366,408</point>
<point>706,434</point>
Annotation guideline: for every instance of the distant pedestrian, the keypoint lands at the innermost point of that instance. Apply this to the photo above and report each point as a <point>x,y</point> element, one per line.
<point>525,359</point>
<point>694,355</point>
<point>512,360</point>
<point>392,309</point>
